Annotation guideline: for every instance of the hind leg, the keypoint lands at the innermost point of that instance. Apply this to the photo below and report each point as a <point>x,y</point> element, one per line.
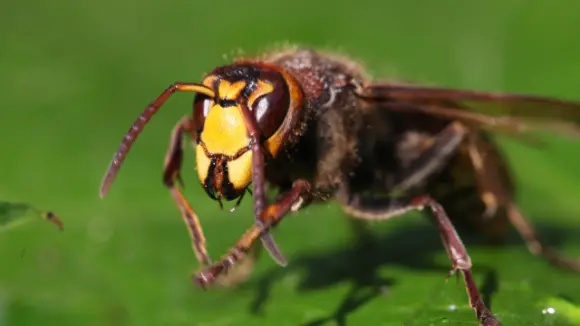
<point>481,189</point>
<point>434,157</point>
<point>496,191</point>
<point>460,260</point>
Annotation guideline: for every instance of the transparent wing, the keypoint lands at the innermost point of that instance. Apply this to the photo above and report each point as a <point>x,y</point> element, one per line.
<point>508,113</point>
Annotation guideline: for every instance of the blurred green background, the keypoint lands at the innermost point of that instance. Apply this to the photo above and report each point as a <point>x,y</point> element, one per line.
<point>75,74</point>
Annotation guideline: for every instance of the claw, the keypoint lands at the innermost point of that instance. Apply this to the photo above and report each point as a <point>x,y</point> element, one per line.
<point>273,250</point>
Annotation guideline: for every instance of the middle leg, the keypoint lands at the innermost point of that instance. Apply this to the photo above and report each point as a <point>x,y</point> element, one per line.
<point>434,156</point>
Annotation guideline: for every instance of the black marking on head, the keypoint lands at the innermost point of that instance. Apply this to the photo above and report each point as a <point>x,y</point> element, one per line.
<point>236,72</point>
<point>226,103</point>
<point>209,183</point>
<point>217,183</point>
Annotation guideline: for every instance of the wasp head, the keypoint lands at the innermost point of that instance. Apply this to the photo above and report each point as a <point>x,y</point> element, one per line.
<point>224,156</point>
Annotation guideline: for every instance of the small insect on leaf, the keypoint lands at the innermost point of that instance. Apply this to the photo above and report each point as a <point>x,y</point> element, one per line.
<point>16,214</point>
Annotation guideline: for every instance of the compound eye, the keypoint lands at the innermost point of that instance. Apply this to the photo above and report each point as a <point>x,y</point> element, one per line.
<point>271,107</point>
<point>201,105</point>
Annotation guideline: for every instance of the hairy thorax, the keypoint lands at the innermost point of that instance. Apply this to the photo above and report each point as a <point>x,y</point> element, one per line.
<point>324,149</point>
<point>345,143</point>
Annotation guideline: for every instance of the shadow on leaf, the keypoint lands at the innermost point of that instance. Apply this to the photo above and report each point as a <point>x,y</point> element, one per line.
<point>358,263</point>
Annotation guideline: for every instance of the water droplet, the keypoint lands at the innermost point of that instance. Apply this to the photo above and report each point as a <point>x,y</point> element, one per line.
<point>561,307</point>
<point>549,311</point>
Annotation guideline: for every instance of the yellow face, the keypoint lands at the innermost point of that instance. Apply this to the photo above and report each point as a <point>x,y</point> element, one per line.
<point>224,157</point>
<point>223,139</point>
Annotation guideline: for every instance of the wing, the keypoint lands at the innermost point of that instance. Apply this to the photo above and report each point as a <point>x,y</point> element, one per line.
<point>508,113</point>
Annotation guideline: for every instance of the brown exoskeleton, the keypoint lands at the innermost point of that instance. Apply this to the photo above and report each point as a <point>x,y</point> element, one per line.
<point>311,125</point>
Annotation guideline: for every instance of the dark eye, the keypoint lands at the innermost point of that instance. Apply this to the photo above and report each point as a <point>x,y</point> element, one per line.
<point>201,105</point>
<point>270,108</point>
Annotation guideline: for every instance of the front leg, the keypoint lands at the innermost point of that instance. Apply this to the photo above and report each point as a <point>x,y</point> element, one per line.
<point>259,181</point>
<point>171,173</point>
<point>272,215</point>
<point>260,201</point>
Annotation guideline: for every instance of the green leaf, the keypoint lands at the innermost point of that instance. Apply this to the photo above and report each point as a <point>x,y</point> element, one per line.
<point>563,309</point>
<point>75,74</point>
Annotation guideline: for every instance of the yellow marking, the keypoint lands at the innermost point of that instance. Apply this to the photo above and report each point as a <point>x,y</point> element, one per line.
<point>240,171</point>
<point>228,91</point>
<point>208,81</point>
<point>228,139</point>
<point>261,89</point>
<point>475,154</point>
<point>459,127</point>
<point>274,143</point>
<point>490,202</point>
<point>197,89</point>
<point>203,163</point>
<point>224,130</point>
<point>476,158</point>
